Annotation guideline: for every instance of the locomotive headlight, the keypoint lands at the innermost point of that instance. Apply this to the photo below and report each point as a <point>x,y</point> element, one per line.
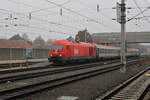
<point>51,55</point>
<point>60,55</point>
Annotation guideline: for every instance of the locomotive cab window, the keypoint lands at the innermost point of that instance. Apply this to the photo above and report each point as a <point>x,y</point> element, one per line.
<point>67,47</point>
<point>57,47</point>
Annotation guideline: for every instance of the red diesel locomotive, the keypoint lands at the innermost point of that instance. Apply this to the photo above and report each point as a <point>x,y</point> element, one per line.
<point>63,51</point>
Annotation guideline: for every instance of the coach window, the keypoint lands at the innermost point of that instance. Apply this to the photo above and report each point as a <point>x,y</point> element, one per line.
<point>67,47</point>
<point>110,51</point>
<point>102,51</point>
<point>106,51</point>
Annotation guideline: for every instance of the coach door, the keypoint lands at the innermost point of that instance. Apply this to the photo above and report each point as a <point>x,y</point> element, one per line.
<point>68,50</point>
<point>91,51</point>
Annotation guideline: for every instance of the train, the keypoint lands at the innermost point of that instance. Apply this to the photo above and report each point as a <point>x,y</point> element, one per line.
<point>63,51</point>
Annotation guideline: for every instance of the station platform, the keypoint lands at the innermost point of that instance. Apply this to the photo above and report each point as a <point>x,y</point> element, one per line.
<point>21,64</point>
<point>22,68</point>
<point>22,61</point>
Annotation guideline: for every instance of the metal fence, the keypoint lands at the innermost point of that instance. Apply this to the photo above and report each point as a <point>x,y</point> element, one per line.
<point>20,53</point>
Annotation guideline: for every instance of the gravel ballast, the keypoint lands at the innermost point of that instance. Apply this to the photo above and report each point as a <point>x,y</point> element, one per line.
<point>86,89</point>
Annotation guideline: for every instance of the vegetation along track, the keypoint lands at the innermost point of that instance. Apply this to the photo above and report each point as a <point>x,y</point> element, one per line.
<point>27,86</point>
<point>133,89</point>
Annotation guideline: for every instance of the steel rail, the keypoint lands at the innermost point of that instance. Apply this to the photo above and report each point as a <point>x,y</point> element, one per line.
<point>112,94</point>
<point>49,72</point>
<point>49,84</point>
<point>31,74</point>
<point>22,91</point>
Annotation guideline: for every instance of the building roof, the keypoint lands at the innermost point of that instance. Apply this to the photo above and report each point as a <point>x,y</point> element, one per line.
<point>4,43</point>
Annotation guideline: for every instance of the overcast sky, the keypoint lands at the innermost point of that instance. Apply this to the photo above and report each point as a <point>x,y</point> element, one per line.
<point>47,21</point>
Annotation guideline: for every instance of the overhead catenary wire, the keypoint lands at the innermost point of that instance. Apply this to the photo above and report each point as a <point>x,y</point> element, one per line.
<point>146,3</point>
<point>38,28</point>
<point>49,7</point>
<point>39,19</point>
<point>141,11</point>
<point>33,26</point>
<point>94,9</point>
<point>92,19</point>
<point>135,23</point>
<point>39,9</point>
<point>52,7</point>
<point>142,17</point>
<point>139,14</point>
<point>70,10</point>
<point>100,10</point>
<point>43,10</point>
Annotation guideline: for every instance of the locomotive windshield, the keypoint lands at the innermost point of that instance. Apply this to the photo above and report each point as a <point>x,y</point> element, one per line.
<point>57,47</point>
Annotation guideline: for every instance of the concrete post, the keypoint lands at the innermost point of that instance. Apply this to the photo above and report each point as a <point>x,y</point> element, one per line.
<point>123,36</point>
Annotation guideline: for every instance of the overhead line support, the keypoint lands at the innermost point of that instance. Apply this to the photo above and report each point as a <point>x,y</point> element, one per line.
<point>121,18</point>
<point>123,35</point>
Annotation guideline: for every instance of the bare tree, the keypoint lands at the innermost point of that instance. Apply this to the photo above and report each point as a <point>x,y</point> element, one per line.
<point>39,43</point>
<point>84,36</point>
<point>26,38</point>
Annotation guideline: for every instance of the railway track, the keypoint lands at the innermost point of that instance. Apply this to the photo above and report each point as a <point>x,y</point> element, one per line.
<point>47,66</point>
<point>27,86</point>
<point>46,71</point>
<point>133,89</point>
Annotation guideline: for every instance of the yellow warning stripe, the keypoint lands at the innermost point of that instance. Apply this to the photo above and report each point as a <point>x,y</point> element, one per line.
<point>147,74</point>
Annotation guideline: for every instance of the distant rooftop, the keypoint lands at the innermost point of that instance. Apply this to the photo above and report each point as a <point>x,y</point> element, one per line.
<point>4,43</point>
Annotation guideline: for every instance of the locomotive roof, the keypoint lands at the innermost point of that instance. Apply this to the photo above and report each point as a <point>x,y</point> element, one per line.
<point>71,43</point>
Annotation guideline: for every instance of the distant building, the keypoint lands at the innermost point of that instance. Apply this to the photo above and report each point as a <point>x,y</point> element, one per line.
<point>4,43</point>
